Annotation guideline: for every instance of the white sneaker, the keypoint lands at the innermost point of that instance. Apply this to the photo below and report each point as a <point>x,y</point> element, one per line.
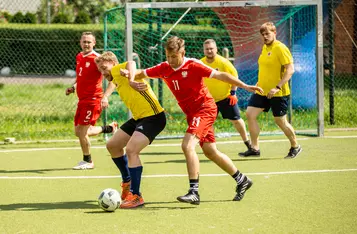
<point>114,126</point>
<point>83,165</point>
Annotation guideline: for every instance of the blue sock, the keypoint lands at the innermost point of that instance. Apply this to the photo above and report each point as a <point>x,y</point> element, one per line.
<point>122,164</point>
<point>135,173</point>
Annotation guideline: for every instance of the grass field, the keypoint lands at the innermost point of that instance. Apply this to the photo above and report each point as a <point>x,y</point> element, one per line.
<point>314,193</point>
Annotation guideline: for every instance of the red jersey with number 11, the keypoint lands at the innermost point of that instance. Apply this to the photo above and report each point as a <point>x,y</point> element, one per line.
<point>186,83</point>
<point>89,79</point>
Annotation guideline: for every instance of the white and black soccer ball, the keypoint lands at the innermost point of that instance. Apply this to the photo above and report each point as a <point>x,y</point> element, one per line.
<point>109,199</point>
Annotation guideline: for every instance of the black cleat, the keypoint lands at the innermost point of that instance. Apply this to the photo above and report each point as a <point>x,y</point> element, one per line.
<point>250,152</point>
<point>293,152</point>
<point>191,197</point>
<point>242,188</point>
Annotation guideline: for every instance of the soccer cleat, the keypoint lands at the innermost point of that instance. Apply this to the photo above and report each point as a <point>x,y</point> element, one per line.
<point>242,188</point>
<point>250,152</point>
<point>191,197</point>
<point>83,165</point>
<point>293,152</point>
<point>125,190</point>
<point>132,201</point>
<point>114,125</point>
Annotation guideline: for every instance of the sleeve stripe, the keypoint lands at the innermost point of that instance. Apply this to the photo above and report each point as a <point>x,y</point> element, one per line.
<point>150,101</point>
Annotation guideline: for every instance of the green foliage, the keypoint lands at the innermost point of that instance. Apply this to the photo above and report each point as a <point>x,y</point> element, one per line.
<point>30,18</point>
<point>61,19</point>
<point>17,18</point>
<point>5,17</point>
<point>82,18</point>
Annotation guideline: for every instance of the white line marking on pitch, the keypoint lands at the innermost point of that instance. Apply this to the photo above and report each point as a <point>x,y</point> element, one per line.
<point>164,145</point>
<point>172,175</point>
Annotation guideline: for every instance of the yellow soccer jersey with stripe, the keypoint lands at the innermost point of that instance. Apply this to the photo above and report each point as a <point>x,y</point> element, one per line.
<point>271,67</point>
<point>219,89</point>
<point>141,104</point>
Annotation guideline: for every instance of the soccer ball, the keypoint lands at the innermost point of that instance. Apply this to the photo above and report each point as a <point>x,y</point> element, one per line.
<point>109,199</point>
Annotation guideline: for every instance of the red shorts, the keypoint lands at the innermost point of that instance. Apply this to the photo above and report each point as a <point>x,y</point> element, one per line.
<point>87,114</point>
<point>201,124</point>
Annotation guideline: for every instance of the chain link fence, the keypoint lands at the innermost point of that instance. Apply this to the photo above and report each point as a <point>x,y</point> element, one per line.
<point>38,48</point>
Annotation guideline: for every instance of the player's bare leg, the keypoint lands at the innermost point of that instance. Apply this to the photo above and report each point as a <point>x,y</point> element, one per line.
<point>289,132</point>
<point>193,167</point>
<point>254,130</point>
<point>225,163</point>
<point>81,133</point>
<point>115,147</point>
<point>239,125</point>
<point>136,144</point>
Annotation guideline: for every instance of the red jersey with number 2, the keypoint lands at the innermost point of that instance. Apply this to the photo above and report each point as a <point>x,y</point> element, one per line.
<point>186,83</point>
<point>89,79</point>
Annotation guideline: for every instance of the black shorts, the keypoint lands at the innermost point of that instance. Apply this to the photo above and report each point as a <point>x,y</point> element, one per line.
<point>278,105</point>
<point>228,111</point>
<point>150,126</point>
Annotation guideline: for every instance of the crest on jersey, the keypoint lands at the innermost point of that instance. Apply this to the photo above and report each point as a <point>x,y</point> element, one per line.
<point>184,74</point>
<point>269,53</point>
<point>87,64</point>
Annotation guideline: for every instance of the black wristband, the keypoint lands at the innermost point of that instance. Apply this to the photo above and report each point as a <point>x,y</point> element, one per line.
<point>278,87</point>
<point>233,92</point>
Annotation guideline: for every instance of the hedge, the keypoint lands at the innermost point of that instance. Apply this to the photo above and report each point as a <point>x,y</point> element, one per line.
<point>51,49</point>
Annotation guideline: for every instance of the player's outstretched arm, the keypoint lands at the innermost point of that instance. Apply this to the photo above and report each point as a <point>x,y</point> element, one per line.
<point>228,78</point>
<point>107,93</point>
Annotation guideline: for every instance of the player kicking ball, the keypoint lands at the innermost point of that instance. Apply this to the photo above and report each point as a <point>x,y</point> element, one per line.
<point>185,78</point>
<point>138,132</point>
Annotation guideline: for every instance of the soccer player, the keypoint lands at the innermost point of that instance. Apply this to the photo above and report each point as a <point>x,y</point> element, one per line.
<point>224,94</point>
<point>89,91</point>
<point>138,132</point>
<point>275,70</point>
<point>184,77</point>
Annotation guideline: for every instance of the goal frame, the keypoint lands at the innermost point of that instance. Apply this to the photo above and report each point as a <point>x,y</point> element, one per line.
<point>265,3</point>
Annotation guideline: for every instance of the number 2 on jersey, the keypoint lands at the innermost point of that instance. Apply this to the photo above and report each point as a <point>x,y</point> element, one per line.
<point>176,84</point>
<point>80,71</point>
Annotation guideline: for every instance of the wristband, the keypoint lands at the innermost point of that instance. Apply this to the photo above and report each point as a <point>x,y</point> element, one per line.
<point>233,92</point>
<point>73,88</point>
<point>278,87</point>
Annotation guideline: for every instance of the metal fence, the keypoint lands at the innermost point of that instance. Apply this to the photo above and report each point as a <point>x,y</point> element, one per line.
<point>34,59</point>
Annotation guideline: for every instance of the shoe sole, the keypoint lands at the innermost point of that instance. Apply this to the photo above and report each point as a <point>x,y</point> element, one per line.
<point>290,157</point>
<point>191,202</point>
<point>83,168</point>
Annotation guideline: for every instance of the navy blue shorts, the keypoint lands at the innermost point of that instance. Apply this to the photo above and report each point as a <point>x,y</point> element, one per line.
<point>278,105</point>
<point>227,111</point>
<point>150,126</point>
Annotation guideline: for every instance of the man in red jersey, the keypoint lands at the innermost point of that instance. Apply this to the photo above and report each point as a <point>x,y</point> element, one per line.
<point>90,93</point>
<point>185,77</point>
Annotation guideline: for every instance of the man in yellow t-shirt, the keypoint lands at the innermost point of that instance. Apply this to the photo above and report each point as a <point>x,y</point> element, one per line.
<point>275,70</point>
<point>138,132</point>
<point>223,93</point>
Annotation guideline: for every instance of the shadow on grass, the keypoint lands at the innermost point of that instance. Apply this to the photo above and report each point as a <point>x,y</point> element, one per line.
<point>90,204</point>
<point>209,161</point>
<point>149,206</point>
<point>37,171</point>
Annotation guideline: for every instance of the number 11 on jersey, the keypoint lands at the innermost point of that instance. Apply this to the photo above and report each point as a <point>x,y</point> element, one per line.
<point>176,84</point>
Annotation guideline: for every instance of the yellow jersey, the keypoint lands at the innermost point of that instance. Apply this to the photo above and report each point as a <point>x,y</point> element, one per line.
<point>219,89</point>
<point>271,68</point>
<point>141,104</point>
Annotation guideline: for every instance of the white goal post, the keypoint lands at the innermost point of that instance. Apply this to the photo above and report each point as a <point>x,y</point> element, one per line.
<point>129,36</point>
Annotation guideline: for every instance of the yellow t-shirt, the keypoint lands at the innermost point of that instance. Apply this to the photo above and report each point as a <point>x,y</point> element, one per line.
<point>271,68</point>
<point>219,89</point>
<point>141,104</point>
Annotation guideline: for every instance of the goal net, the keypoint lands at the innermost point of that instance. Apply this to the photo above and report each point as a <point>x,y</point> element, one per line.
<point>138,31</point>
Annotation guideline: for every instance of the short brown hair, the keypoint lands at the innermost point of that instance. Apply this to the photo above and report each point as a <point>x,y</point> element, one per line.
<point>209,41</point>
<point>107,56</point>
<point>268,26</point>
<point>88,34</point>
<point>175,44</point>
